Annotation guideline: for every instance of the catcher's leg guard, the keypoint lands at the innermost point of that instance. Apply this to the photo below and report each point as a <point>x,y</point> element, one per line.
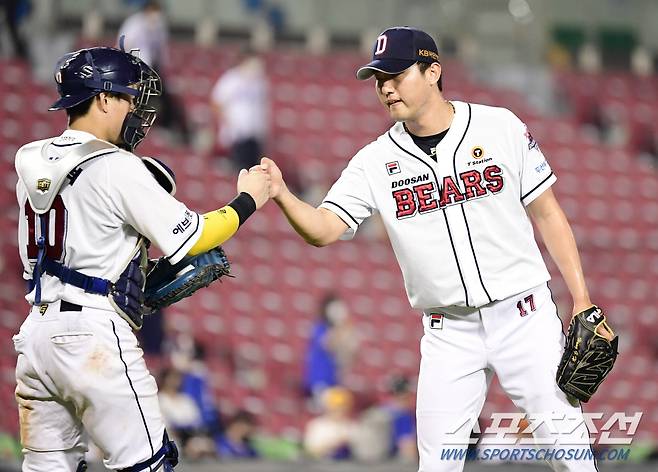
<point>166,457</point>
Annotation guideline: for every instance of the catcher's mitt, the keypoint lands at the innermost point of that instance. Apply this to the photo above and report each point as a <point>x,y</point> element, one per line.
<point>166,284</point>
<point>588,355</point>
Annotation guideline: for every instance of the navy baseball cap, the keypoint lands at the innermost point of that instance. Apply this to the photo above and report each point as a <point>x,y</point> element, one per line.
<point>397,49</point>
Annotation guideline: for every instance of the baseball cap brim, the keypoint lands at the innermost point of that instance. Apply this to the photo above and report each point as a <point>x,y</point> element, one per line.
<point>387,66</point>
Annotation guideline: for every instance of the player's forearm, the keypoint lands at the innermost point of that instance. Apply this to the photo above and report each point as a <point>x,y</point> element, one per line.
<point>220,225</point>
<point>309,222</point>
<point>561,244</point>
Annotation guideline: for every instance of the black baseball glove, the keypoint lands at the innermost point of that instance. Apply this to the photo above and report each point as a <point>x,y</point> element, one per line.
<point>166,283</point>
<point>588,355</point>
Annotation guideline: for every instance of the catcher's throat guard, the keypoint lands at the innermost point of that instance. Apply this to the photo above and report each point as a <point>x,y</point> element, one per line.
<point>588,355</point>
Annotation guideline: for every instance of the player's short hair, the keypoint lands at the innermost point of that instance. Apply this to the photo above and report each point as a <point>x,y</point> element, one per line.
<point>423,66</point>
<point>81,109</point>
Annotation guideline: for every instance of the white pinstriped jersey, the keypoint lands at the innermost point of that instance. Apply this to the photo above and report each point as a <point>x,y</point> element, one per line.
<point>458,226</point>
<point>97,218</point>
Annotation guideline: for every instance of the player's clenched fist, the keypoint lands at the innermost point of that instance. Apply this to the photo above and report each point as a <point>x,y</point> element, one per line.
<point>256,183</point>
<point>277,184</point>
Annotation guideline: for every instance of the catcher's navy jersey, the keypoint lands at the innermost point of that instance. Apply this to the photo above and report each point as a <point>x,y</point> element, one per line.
<point>458,226</point>
<point>96,220</point>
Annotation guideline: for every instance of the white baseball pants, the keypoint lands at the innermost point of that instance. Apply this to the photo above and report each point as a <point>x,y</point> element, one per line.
<point>78,373</point>
<point>519,339</point>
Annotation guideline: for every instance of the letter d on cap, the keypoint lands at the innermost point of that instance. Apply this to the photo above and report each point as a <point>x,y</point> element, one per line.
<point>381,44</point>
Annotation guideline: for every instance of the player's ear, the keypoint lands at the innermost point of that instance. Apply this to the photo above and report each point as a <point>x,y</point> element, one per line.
<point>103,102</point>
<point>434,73</point>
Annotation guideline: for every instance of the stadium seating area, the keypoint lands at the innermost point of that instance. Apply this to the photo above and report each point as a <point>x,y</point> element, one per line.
<point>321,116</point>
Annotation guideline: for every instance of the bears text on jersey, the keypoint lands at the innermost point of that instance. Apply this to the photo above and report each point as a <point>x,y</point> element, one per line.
<point>420,198</point>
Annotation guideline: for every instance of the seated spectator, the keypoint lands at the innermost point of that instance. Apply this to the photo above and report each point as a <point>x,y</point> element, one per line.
<point>401,408</point>
<point>189,357</point>
<point>328,436</point>
<point>371,440</point>
<point>196,384</point>
<point>331,347</point>
<point>182,417</point>
<point>236,440</point>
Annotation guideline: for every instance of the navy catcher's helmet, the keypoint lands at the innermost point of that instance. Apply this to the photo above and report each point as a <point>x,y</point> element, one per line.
<point>83,74</point>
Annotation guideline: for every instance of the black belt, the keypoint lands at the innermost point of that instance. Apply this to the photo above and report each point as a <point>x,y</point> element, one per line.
<point>67,306</point>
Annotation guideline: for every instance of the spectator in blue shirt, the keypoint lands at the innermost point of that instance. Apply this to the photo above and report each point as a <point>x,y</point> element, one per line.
<point>401,407</point>
<point>331,347</point>
<point>236,440</point>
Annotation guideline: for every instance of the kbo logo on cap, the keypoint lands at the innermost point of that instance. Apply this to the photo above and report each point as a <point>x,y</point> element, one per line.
<point>381,44</point>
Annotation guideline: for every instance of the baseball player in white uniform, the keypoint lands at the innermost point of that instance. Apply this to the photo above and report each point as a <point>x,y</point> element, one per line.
<point>457,186</point>
<point>87,207</point>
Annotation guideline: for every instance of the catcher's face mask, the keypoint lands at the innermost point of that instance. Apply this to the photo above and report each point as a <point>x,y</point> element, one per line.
<point>140,119</point>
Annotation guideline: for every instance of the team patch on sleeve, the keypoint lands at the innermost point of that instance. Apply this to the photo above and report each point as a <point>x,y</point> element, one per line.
<point>532,144</point>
